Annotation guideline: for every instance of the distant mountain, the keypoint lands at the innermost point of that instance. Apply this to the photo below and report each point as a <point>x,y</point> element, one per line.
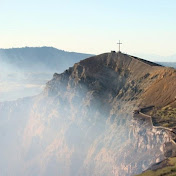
<point>40,58</point>
<point>25,70</point>
<point>168,64</point>
<point>157,58</point>
<point>167,61</point>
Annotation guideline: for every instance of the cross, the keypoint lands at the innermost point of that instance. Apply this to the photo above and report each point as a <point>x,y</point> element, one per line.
<point>119,45</point>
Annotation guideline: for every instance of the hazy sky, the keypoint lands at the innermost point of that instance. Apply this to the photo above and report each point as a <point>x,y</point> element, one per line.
<point>91,26</point>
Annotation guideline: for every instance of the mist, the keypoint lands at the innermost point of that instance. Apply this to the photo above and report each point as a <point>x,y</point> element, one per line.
<point>16,83</point>
<point>81,122</point>
<point>70,130</point>
<point>25,71</point>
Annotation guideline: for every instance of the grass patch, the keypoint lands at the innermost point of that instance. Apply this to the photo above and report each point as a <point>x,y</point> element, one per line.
<point>165,116</point>
<point>166,171</point>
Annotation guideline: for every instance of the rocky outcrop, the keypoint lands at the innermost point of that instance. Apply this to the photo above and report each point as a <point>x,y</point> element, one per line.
<point>83,122</point>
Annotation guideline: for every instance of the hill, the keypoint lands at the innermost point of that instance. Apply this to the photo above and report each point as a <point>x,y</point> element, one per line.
<point>24,71</point>
<point>40,58</point>
<point>158,58</point>
<point>168,64</point>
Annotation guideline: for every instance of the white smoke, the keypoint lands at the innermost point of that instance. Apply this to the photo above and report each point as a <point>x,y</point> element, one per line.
<point>71,131</point>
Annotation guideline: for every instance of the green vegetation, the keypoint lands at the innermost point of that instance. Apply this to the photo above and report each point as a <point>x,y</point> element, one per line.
<point>165,117</point>
<point>169,170</point>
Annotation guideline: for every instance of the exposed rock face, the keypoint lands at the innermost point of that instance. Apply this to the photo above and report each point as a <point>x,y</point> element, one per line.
<point>83,122</point>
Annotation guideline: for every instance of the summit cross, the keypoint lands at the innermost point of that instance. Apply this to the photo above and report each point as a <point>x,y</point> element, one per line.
<point>119,45</point>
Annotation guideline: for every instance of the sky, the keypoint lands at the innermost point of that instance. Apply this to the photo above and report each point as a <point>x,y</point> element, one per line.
<point>94,26</point>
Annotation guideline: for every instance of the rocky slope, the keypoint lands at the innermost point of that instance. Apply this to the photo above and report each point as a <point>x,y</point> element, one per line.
<point>83,122</point>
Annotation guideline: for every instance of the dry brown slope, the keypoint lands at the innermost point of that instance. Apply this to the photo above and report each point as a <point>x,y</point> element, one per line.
<point>163,90</point>
<point>157,84</point>
<point>119,81</point>
<point>128,78</point>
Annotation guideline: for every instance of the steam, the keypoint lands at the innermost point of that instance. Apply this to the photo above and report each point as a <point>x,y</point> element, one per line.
<point>24,71</point>
<point>16,83</point>
<point>70,130</point>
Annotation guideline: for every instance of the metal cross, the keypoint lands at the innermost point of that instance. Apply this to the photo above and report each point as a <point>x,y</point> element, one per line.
<point>119,45</point>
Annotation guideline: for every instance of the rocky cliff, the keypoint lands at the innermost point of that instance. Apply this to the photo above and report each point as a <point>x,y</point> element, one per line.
<point>83,122</point>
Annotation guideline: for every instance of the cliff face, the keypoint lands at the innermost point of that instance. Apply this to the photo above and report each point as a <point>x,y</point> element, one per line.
<point>83,122</point>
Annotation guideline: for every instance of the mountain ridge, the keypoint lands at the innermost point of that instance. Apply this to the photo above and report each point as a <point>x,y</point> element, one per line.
<point>31,58</point>
<point>118,62</point>
<point>83,122</point>
<point>160,81</point>
<point>24,71</point>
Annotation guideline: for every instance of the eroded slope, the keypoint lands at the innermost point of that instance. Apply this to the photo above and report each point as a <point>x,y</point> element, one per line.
<point>83,122</point>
